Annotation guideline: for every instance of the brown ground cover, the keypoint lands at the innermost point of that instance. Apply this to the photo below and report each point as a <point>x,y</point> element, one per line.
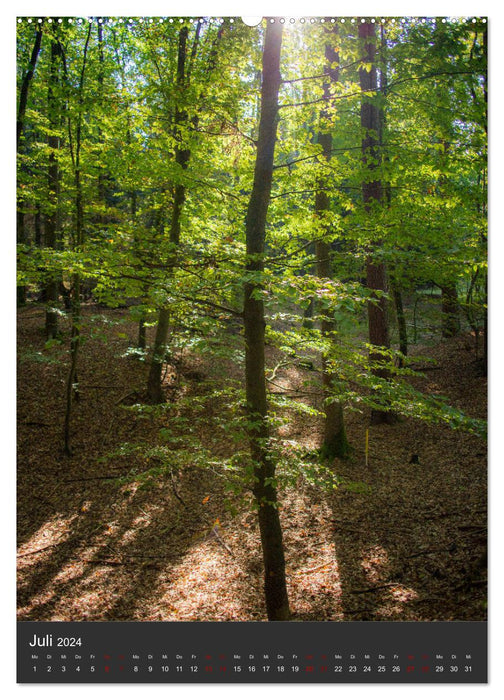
<point>410,545</point>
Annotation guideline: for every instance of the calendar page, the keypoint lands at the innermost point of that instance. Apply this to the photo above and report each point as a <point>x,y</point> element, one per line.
<point>252,302</point>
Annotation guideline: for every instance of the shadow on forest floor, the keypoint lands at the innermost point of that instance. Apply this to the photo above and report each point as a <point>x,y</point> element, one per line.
<point>408,548</point>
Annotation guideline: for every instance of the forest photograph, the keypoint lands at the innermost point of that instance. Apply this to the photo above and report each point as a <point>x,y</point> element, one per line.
<point>251,318</point>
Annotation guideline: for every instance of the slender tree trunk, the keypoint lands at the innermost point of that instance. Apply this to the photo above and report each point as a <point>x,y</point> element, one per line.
<point>142,334</point>
<point>485,331</point>
<point>20,238</point>
<point>387,193</point>
<point>142,331</point>
<point>182,156</point>
<point>71,386</point>
<point>376,279</point>
<point>25,86</point>
<point>450,321</point>
<point>265,493</point>
<point>450,311</point>
<point>102,189</point>
<point>309,311</point>
<point>308,315</point>
<point>72,382</point>
<point>52,286</point>
<point>154,388</point>
<point>401,320</point>
<point>485,211</point>
<point>23,101</point>
<point>38,226</point>
<point>335,443</point>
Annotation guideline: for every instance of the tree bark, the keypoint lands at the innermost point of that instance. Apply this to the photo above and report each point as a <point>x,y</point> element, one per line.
<point>142,334</point>
<point>23,101</point>
<point>449,311</point>
<point>401,320</point>
<point>71,386</point>
<point>154,388</point>
<point>182,156</point>
<point>450,322</point>
<point>51,219</point>
<point>38,226</point>
<point>485,126</point>
<point>376,279</point>
<point>308,315</point>
<point>264,488</point>
<point>102,188</point>
<point>387,192</point>
<point>25,86</point>
<point>335,443</point>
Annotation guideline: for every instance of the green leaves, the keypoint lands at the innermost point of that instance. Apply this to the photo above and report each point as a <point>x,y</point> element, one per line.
<point>429,227</point>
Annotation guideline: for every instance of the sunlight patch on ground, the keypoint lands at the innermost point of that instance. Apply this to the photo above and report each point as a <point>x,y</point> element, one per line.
<point>42,543</point>
<point>403,594</point>
<point>310,581</point>
<point>91,604</point>
<point>127,537</point>
<point>374,562</point>
<point>313,577</point>
<point>196,585</point>
<point>142,520</point>
<point>81,562</point>
<point>72,570</point>
<point>392,611</point>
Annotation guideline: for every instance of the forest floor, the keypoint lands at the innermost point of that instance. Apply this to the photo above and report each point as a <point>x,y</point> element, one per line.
<point>409,544</point>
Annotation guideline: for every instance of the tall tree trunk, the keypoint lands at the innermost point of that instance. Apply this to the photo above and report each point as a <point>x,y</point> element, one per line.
<point>401,320</point>
<point>20,238</point>
<point>38,226</point>
<point>142,334</point>
<point>182,156</point>
<point>387,193</point>
<point>23,101</point>
<point>309,311</point>
<point>449,310</point>
<point>485,331</point>
<point>265,493</point>
<point>450,322</point>
<point>376,279</point>
<point>71,386</point>
<point>51,219</point>
<point>25,86</point>
<point>154,388</point>
<point>485,208</point>
<point>102,189</point>
<point>335,443</point>
<point>308,315</point>
<point>142,330</point>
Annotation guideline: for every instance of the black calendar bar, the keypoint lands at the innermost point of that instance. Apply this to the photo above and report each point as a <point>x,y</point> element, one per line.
<point>252,652</point>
